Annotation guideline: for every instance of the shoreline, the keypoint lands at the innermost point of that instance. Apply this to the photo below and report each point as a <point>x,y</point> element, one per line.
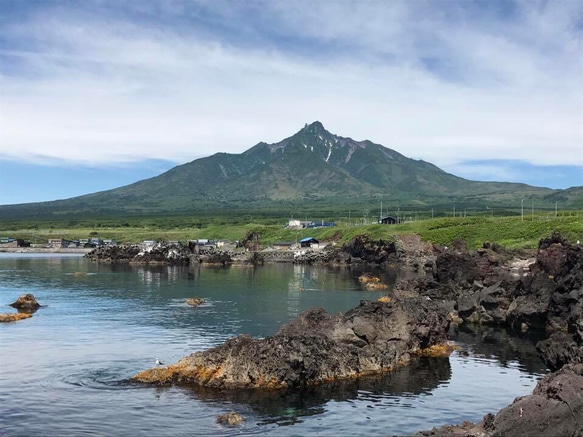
<point>80,251</point>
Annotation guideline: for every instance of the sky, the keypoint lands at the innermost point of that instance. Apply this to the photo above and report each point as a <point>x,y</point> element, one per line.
<point>99,93</point>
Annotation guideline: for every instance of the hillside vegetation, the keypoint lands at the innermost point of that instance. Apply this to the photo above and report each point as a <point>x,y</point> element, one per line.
<point>510,232</point>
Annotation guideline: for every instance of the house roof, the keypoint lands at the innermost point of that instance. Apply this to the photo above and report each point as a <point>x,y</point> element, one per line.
<point>304,240</point>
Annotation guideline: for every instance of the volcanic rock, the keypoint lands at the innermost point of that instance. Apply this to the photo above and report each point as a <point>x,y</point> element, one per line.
<point>194,301</point>
<point>316,347</point>
<point>555,408</point>
<point>230,419</point>
<point>26,302</point>
<point>13,317</point>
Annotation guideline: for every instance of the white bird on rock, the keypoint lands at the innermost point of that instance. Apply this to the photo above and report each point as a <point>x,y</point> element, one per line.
<point>159,363</point>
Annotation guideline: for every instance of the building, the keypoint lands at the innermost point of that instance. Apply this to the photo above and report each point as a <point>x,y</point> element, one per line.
<point>96,241</point>
<point>299,224</point>
<point>110,242</point>
<point>283,245</point>
<point>321,224</point>
<point>18,242</point>
<point>388,220</point>
<point>58,243</point>
<point>309,242</point>
<point>5,240</point>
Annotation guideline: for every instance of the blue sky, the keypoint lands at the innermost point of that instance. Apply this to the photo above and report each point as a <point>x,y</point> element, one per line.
<point>96,94</point>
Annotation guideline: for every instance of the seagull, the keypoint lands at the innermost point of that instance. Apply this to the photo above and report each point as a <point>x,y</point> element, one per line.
<point>159,363</point>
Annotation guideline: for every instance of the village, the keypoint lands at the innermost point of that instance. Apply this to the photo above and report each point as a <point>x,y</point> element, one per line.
<point>201,245</point>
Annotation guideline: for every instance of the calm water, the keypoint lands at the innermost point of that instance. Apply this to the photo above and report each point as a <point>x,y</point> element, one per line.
<point>63,371</point>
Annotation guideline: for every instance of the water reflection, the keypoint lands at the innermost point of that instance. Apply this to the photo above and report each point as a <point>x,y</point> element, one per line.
<point>287,407</point>
<point>103,323</point>
<point>505,346</point>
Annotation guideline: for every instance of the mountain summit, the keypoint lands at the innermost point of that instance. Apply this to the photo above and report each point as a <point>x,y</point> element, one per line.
<point>312,164</point>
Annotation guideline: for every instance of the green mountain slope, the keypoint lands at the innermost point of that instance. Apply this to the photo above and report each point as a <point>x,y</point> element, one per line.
<point>312,165</point>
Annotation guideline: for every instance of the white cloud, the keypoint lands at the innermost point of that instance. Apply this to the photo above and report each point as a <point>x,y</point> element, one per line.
<point>87,87</point>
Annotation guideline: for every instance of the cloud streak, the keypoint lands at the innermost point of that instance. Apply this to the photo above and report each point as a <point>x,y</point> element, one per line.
<point>448,82</point>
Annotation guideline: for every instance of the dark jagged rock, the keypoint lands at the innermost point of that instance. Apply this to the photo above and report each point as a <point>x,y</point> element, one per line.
<point>118,253</point>
<point>216,258</point>
<point>316,347</point>
<point>26,303</point>
<point>479,287</point>
<point>560,349</point>
<point>555,408</point>
<point>230,419</point>
<point>159,253</point>
<point>406,250</point>
<point>364,249</point>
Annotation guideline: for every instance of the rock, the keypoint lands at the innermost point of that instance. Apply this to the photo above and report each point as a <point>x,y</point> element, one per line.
<point>194,301</point>
<point>371,251</point>
<point>13,317</point>
<point>376,286</point>
<point>159,253</point>
<point>560,349</point>
<point>216,258</point>
<point>316,347</point>
<point>555,408</point>
<point>26,302</point>
<point>367,277</point>
<point>230,419</point>
<point>119,253</point>
<point>459,245</point>
<point>478,285</point>
<point>454,318</point>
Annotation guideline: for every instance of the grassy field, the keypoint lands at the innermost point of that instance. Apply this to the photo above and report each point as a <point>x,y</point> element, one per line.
<point>510,232</point>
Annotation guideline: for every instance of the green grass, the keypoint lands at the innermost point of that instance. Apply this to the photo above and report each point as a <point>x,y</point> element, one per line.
<point>510,232</point>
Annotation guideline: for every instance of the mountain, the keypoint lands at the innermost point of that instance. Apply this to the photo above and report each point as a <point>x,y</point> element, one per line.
<point>312,165</point>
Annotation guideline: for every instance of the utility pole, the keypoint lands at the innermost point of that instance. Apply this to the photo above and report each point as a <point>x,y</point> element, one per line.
<point>556,208</point>
<point>381,217</point>
<point>454,210</point>
<point>522,209</point>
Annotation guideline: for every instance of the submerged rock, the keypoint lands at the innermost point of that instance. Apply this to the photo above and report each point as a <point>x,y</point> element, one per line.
<point>194,301</point>
<point>13,317</point>
<point>555,408</point>
<point>376,286</point>
<point>368,278</point>
<point>316,347</point>
<point>230,419</point>
<point>26,302</point>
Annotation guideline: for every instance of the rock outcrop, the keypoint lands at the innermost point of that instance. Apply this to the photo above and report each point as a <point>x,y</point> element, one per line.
<point>230,419</point>
<point>194,301</point>
<point>555,408</point>
<point>13,317</point>
<point>316,347</point>
<point>159,253</point>
<point>26,303</point>
<point>480,288</point>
